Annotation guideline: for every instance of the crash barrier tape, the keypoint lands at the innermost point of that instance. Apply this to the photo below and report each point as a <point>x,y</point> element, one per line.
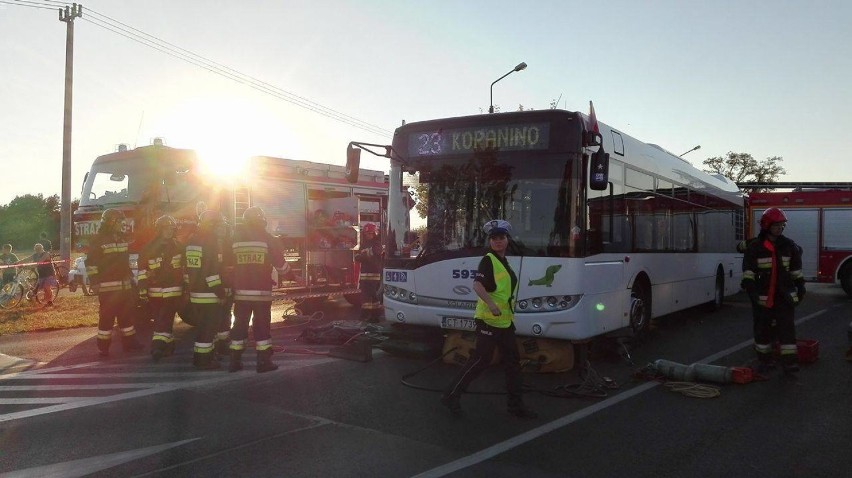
<point>27,264</point>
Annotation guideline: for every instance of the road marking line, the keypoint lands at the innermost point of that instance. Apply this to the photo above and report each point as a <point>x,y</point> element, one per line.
<point>52,388</point>
<point>155,388</point>
<point>514,442</point>
<point>87,466</point>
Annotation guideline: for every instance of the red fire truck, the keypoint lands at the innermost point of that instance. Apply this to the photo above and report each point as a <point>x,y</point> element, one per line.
<point>311,207</point>
<point>819,220</point>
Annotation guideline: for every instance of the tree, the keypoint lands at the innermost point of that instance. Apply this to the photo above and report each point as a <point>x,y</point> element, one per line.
<point>25,217</point>
<point>742,167</point>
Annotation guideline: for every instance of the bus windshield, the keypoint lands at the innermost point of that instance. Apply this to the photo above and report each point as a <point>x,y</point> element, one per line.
<point>538,193</point>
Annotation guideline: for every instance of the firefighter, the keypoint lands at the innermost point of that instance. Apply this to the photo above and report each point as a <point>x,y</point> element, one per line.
<point>369,280</point>
<point>773,279</point>
<point>160,281</point>
<point>108,268</point>
<point>204,267</point>
<point>254,253</point>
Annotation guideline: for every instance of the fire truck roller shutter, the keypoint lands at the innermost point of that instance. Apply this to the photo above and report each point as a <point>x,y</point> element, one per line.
<point>284,205</point>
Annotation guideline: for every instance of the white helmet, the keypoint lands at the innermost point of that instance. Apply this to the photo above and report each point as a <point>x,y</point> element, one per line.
<point>497,226</point>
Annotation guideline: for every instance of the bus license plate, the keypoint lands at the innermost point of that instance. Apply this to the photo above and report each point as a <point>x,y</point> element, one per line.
<point>458,323</point>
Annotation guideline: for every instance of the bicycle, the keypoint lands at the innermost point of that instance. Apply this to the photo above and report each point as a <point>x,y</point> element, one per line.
<point>24,286</point>
<point>21,286</point>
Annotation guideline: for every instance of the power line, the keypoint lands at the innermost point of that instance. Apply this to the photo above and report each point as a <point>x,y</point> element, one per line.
<point>25,3</point>
<point>151,41</point>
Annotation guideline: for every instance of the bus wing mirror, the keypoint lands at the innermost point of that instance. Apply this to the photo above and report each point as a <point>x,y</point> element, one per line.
<point>592,138</point>
<point>353,163</point>
<point>599,171</point>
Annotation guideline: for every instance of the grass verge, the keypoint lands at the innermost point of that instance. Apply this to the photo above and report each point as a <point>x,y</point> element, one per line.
<point>69,311</point>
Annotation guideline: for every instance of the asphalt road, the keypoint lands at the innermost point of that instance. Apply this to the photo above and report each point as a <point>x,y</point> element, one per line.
<point>64,412</point>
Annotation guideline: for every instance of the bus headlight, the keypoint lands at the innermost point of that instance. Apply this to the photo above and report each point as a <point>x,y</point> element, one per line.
<point>400,294</point>
<point>551,303</point>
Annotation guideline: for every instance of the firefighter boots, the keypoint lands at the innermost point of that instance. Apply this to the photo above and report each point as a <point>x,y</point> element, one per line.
<point>222,348</point>
<point>264,361</point>
<point>205,361</point>
<point>103,348</point>
<point>130,344</point>
<point>236,361</point>
<point>158,350</point>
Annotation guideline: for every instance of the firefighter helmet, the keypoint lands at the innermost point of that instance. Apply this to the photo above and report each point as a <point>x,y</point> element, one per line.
<point>165,222</point>
<point>255,217</point>
<point>209,220</point>
<point>369,228</point>
<point>111,220</point>
<point>771,216</point>
<point>497,226</point>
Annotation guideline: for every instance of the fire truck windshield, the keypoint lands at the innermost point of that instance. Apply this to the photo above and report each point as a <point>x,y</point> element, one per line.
<point>122,182</point>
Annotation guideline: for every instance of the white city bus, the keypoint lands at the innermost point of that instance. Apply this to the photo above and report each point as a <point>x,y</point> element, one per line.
<point>594,253</point>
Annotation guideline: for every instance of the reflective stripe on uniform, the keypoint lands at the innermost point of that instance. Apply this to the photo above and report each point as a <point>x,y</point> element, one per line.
<point>238,345</point>
<point>214,280</point>
<point>165,291</point>
<point>164,337</point>
<point>203,298</point>
<point>263,344</point>
<point>253,295</point>
<point>203,347</point>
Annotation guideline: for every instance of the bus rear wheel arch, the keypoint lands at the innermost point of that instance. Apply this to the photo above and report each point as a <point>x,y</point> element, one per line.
<point>640,305</point>
<point>718,291</point>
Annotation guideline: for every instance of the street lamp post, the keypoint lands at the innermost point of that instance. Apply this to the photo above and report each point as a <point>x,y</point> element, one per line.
<point>520,67</point>
<point>691,150</point>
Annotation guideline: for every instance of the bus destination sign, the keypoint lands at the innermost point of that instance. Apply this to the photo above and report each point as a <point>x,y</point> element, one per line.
<point>511,137</point>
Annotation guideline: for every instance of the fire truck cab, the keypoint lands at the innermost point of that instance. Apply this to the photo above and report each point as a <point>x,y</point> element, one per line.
<point>311,207</point>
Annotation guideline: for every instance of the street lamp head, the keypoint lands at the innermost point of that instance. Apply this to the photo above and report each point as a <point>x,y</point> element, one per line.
<point>520,66</point>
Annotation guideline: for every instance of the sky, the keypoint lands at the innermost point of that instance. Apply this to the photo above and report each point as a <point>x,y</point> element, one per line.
<point>769,78</point>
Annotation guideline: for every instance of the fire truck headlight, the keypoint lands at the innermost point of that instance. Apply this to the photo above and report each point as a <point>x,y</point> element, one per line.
<point>522,305</point>
<point>412,297</point>
<point>536,303</point>
<point>551,302</point>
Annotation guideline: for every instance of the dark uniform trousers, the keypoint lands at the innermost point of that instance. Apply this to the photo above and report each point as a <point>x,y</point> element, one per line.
<point>259,313</point>
<point>488,339</point>
<point>115,306</point>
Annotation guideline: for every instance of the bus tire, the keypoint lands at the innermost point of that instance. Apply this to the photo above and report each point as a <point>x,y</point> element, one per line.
<point>640,306</point>
<point>846,278</point>
<point>718,292</point>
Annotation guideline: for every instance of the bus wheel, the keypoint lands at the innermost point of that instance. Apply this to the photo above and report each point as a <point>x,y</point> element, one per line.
<point>640,307</point>
<point>846,278</point>
<point>718,292</point>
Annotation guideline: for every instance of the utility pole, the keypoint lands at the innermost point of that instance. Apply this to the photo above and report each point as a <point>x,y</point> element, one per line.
<point>67,15</point>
